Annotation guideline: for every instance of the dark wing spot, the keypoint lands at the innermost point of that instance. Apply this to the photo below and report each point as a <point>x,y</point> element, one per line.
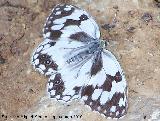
<point>57,79</point>
<point>118,77</point>
<point>115,99</point>
<point>97,64</point>
<point>77,89</point>
<point>107,85</point>
<point>46,60</point>
<point>43,58</point>
<point>83,17</point>
<point>52,43</point>
<point>115,102</point>
<point>58,85</point>
<point>65,13</point>
<point>87,91</point>
<point>78,36</point>
<point>95,105</point>
<point>81,36</point>
<point>71,22</point>
<point>55,34</point>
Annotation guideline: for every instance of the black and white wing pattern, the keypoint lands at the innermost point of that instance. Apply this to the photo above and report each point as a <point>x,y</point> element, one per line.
<point>77,66</point>
<point>68,20</point>
<point>106,92</point>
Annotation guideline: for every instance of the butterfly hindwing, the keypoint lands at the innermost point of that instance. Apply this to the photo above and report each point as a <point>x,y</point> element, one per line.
<point>109,95</point>
<point>73,79</point>
<point>67,71</point>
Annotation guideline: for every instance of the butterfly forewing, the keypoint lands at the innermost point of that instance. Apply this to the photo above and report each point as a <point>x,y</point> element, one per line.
<point>66,20</point>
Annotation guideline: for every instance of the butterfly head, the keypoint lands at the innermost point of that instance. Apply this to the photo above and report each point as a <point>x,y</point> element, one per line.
<point>103,44</point>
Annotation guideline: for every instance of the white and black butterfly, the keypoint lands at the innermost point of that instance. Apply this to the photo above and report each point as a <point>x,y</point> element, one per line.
<point>78,66</point>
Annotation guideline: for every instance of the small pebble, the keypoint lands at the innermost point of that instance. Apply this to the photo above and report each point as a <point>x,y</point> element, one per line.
<point>147,17</point>
<point>108,26</point>
<point>158,18</point>
<point>131,13</point>
<point>115,7</point>
<point>131,29</point>
<point>1,36</point>
<point>2,60</point>
<point>157,3</point>
<point>31,91</point>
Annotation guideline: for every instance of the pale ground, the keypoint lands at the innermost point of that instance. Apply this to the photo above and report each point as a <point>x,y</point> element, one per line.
<point>22,90</point>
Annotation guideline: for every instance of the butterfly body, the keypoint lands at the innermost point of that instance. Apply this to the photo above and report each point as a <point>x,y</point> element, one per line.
<point>90,49</point>
<point>77,63</point>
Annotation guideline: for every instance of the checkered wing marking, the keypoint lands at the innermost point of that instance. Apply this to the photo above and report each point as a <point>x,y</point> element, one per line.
<point>68,82</point>
<point>68,20</point>
<point>42,61</point>
<point>67,70</point>
<point>106,92</point>
<point>50,56</point>
<point>97,80</point>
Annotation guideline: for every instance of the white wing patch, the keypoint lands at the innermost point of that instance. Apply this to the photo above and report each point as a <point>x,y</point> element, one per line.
<point>77,66</point>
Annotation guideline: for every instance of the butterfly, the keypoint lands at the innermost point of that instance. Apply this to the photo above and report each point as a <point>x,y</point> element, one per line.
<point>77,64</point>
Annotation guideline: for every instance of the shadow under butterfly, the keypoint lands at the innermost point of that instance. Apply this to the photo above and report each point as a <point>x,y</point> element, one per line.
<point>73,57</point>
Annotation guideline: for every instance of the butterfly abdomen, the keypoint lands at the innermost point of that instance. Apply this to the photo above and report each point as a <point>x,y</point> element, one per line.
<point>77,58</point>
<point>80,56</point>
